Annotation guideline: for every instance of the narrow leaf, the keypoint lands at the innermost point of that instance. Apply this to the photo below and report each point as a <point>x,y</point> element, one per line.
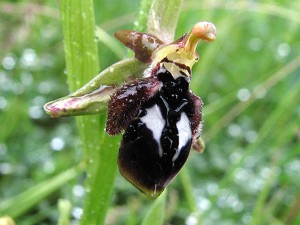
<point>163,17</point>
<point>157,211</point>
<point>110,42</point>
<point>30,197</point>
<point>141,23</point>
<point>82,65</point>
<point>64,207</point>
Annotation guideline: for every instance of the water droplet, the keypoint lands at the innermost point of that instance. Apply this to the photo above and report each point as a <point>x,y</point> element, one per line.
<point>26,79</point>
<point>3,149</point>
<point>39,101</point>
<point>29,58</point>
<point>212,188</point>
<point>35,112</point>
<point>5,168</point>
<point>203,203</point>
<point>234,130</point>
<point>238,207</point>
<point>48,167</point>
<point>222,199</point>
<point>255,184</point>
<point>232,200</point>
<point>293,168</point>
<point>3,102</point>
<point>77,213</point>
<point>192,219</point>
<point>265,172</point>
<point>78,191</point>
<point>250,136</point>
<point>283,50</point>
<point>136,23</point>
<point>44,87</point>
<point>57,144</point>
<point>243,94</point>
<point>241,176</point>
<point>9,62</point>
<point>235,157</point>
<point>246,218</point>
<point>255,44</point>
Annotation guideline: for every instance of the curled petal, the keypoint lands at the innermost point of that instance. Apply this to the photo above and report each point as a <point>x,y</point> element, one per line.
<point>142,44</point>
<point>92,98</point>
<point>91,103</point>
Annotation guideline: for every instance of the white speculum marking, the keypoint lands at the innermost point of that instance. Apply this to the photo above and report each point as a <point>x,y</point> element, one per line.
<point>184,133</point>
<point>154,122</point>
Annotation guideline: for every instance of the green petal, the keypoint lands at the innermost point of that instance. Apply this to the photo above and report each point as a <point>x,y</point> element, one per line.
<point>92,98</point>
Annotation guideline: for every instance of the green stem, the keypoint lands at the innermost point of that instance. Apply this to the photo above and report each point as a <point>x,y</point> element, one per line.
<point>64,207</point>
<point>155,215</point>
<point>141,23</point>
<point>163,17</point>
<point>188,189</point>
<point>82,65</point>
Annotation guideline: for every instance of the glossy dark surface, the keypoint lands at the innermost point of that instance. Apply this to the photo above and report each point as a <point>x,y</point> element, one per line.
<point>139,159</point>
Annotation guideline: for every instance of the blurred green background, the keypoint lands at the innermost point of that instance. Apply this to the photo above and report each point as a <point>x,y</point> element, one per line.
<point>249,80</point>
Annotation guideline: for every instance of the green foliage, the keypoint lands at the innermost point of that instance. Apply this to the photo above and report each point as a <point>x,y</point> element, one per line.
<point>156,213</point>
<point>64,207</point>
<point>82,64</point>
<point>162,19</point>
<point>248,79</point>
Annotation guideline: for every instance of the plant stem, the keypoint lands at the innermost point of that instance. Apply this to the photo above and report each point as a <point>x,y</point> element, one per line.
<point>163,17</point>
<point>82,65</point>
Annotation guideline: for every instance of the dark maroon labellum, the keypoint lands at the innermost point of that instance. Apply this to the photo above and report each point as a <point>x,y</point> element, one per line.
<point>157,141</point>
<point>159,114</point>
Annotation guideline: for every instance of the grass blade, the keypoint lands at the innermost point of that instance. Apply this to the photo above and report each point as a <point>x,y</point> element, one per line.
<point>163,17</point>
<point>64,207</point>
<point>157,211</point>
<point>29,198</point>
<point>82,65</point>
